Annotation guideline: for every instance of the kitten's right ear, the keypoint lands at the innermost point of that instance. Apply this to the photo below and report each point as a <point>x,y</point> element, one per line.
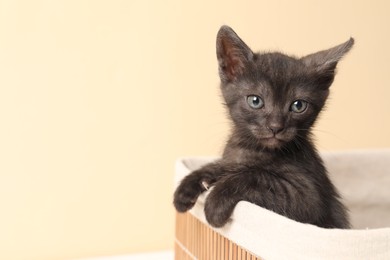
<point>232,53</point>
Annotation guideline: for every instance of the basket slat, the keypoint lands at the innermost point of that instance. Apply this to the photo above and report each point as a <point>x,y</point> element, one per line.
<point>196,240</point>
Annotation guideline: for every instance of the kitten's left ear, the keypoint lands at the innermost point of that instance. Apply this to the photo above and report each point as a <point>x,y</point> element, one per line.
<point>325,62</point>
<point>328,58</point>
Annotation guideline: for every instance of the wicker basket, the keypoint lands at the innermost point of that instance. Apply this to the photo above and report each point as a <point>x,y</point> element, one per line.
<point>197,240</point>
<point>256,233</point>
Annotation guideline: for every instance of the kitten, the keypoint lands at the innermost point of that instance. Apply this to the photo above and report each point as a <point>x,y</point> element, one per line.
<point>270,160</point>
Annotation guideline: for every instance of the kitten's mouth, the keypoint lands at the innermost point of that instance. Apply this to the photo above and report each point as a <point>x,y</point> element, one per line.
<point>275,141</point>
<point>272,142</point>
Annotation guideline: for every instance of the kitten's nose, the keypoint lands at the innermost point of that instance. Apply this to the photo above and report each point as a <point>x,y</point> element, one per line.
<point>275,128</point>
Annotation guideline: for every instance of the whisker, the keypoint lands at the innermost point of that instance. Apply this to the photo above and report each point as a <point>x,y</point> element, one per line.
<point>337,137</point>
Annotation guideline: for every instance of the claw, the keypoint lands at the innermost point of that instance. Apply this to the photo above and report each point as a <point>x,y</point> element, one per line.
<point>205,185</point>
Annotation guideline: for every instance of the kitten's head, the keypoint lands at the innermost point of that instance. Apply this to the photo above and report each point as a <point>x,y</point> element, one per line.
<point>273,98</point>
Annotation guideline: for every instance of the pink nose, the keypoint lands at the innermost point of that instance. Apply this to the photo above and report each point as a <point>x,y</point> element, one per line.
<point>275,128</point>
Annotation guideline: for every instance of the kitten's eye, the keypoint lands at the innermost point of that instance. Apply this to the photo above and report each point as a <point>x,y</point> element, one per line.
<point>255,101</point>
<point>298,106</point>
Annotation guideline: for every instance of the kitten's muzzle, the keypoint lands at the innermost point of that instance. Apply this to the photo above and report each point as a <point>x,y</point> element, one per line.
<point>275,128</point>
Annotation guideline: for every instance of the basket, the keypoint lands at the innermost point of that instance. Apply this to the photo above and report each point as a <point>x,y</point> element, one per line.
<point>362,177</point>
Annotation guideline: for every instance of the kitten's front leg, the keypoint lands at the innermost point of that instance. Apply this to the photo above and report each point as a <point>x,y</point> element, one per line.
<point>296,198</point>
<point>222,199</point>
<point>194,184</point>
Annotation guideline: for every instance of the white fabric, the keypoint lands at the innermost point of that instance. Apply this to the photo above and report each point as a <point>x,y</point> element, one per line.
<point>362,177</point>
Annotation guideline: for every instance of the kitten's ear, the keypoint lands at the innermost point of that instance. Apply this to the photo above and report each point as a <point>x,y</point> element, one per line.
<point>232,53</point>
<point>328,59</point>
<point>324,62</point>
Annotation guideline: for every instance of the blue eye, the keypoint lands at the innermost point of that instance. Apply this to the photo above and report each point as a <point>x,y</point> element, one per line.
<point>255,101</point>
<point>298,106</point>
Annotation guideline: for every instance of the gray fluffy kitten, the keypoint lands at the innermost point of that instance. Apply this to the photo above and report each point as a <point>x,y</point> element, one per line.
<point>270,160</point>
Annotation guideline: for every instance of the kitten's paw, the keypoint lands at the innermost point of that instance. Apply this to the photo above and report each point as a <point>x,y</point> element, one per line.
<point>184,199</point>
<point>193,185</point>
<point>217,211</point>
<point>187,193</point>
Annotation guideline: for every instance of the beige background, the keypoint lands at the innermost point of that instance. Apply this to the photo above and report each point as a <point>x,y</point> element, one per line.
<point>98,99</point>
